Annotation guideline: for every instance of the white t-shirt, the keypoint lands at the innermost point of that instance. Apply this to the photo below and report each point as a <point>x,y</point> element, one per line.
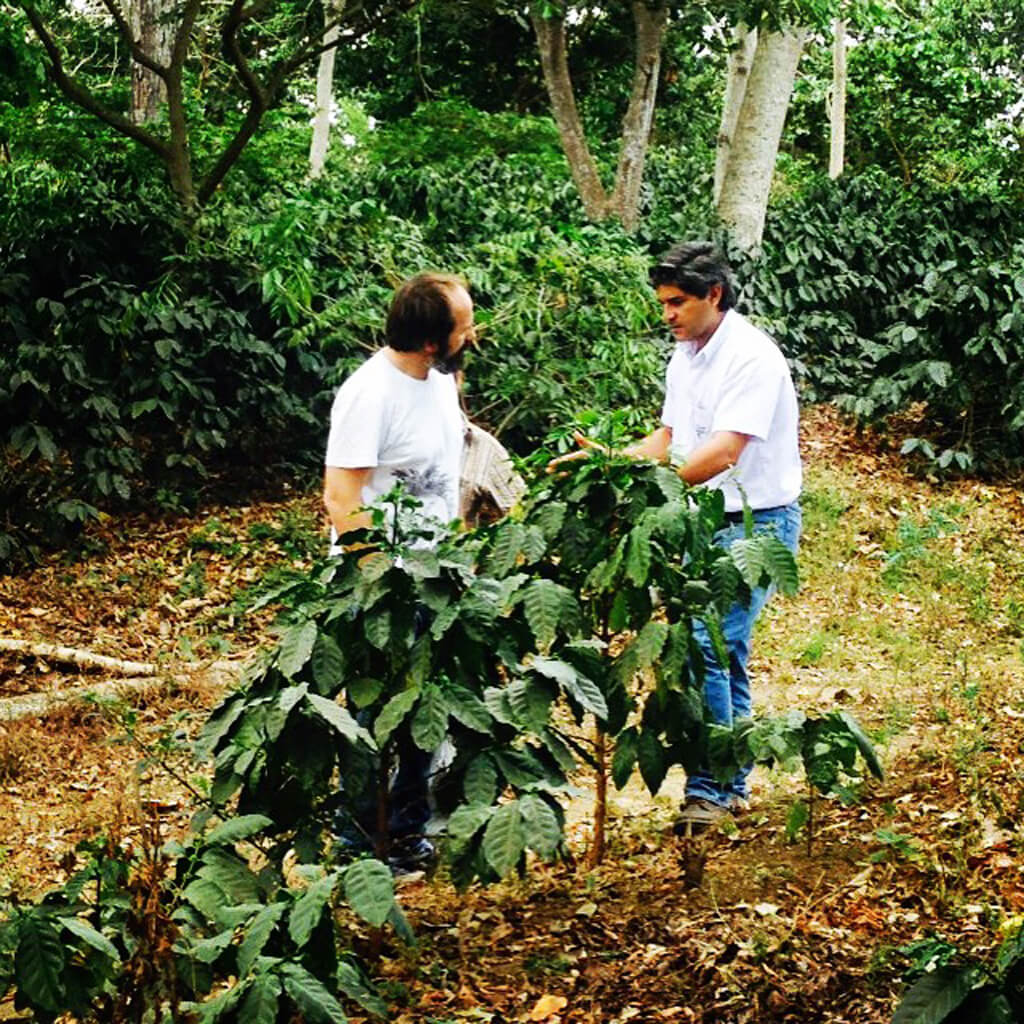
<point>404,429</point>
<point>738,381</point>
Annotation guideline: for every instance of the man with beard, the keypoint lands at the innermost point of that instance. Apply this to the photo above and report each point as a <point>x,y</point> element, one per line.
<point>397,419</point>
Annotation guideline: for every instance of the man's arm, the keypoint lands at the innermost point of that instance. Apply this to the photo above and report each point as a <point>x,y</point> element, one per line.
<point>343,498</point>
<point>719,452</point>
<point>654,446</point>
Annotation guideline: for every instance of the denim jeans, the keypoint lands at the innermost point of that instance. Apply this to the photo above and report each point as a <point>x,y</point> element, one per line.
<point>727,687</point>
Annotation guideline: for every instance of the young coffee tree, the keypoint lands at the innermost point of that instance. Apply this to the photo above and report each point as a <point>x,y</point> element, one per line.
<point>636,547</point>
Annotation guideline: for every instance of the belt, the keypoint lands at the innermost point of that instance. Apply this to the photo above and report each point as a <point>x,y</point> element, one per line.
<point>737,517</point>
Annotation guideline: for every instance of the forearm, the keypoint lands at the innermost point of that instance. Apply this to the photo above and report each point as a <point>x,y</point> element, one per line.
<point>654,446</point>
<point>721,451</point>
<point>343,499</point>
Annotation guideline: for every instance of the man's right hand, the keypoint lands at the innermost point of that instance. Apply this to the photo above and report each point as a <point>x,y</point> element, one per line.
<point>587,445</point>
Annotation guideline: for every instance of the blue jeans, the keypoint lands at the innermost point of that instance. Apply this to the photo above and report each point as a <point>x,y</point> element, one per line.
<point>727,688</point>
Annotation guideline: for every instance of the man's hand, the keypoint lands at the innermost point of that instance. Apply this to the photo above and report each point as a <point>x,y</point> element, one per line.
<point>587,445</point>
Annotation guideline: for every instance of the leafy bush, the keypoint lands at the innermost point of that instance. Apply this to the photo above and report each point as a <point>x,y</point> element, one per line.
<point>888,297</point>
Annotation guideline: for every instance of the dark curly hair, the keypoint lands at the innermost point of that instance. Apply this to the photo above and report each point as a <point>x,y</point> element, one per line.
<point>695,267</point>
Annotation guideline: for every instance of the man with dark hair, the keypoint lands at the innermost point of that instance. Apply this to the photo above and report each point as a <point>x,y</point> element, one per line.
<point>397,419</point>
<point>729,421</point>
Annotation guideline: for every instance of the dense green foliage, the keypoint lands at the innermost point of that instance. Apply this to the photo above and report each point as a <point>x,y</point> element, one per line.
<point>146,360</point>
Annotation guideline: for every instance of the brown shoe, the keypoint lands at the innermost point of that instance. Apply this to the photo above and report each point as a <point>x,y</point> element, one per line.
<point>698,815</point>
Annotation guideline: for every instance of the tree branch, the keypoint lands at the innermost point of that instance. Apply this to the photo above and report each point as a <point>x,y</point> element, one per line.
<point>138,54</point>
<point>81,96</point>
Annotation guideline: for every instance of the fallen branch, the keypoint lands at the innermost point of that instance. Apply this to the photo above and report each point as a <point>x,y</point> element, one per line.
<point>36,705</point>
<point>75,656</point>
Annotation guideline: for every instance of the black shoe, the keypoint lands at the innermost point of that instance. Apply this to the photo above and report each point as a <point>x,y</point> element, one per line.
<point>411,856</point>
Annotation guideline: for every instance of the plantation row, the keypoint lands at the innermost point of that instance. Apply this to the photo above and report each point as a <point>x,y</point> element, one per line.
<point>140,362</point>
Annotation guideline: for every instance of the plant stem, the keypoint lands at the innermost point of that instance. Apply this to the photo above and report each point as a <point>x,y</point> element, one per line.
<point>596,853</point>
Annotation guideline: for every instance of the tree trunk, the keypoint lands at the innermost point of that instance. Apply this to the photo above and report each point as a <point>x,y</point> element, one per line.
<point>837,101</point>
<point>324,94</point>
<point>152,29</point>
<point>636,126</point>
<point>737,73</point>
<point>555,65</point>
<point>748,174</point>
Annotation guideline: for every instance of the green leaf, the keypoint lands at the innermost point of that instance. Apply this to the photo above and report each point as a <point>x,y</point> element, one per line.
<point>296,648</point>
<point>864,745</point>
<point>91,937</point>
<point>648,645</point>
<point>213,1009</point>
<point>364,691</point>
<point>328,664</point>
<point>352,983</point>
<point>206,951</point>
<point>311,996</point>
<point>560,671</point>
<point>231,873</point>
<point>531,702</point>
<point>480,783</point>
<point>309,908</point>
<point>393,714</point>
<point>638,557</point>
<point>506,550</point>
<point>257,934</point>
<point>588,695</point>
<point>799,815</point>
<point>334,714</point>
<point>260,1003</point>
<point>369,890</point>
<point>466,821</point>
<point>652,761</point>
<point>543,831</point>
<point>465,706</point>
<point>234,830</point>
<point>504,840</point>
<point>430,723</point>
<point>39,964</point>
<point>377,626</point>
<point>780,564</point>
<point>546,605</point>
<point>935,996</point>
<point>207,897</point>
<point>625,756</point>
<point>290,697</point>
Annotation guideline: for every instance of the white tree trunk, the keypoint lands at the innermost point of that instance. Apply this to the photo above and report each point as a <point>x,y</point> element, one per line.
<point>748,175</point>
<point>636,126</point>
<point>737,73</point>
<point>151,23</point>
<point>554,62</point>
<point>837,101</point>
<point>324,93</point>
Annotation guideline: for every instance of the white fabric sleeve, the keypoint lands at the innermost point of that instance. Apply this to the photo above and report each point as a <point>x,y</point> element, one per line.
<point>749,396</point>
<point>357,418</point>
<point>668,406</point>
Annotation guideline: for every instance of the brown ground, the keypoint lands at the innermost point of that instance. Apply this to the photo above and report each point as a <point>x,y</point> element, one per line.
<point>741,927</point>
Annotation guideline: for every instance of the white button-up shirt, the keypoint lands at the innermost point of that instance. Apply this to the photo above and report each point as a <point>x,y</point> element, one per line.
<point>739,381</point>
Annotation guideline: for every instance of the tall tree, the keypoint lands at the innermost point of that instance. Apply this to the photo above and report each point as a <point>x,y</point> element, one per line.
<point>153,32</point>
<point>325,89</point>
<point>264,46</point>
<point>622,201</point>
<point>837,101</point>
<point>741,56</point>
